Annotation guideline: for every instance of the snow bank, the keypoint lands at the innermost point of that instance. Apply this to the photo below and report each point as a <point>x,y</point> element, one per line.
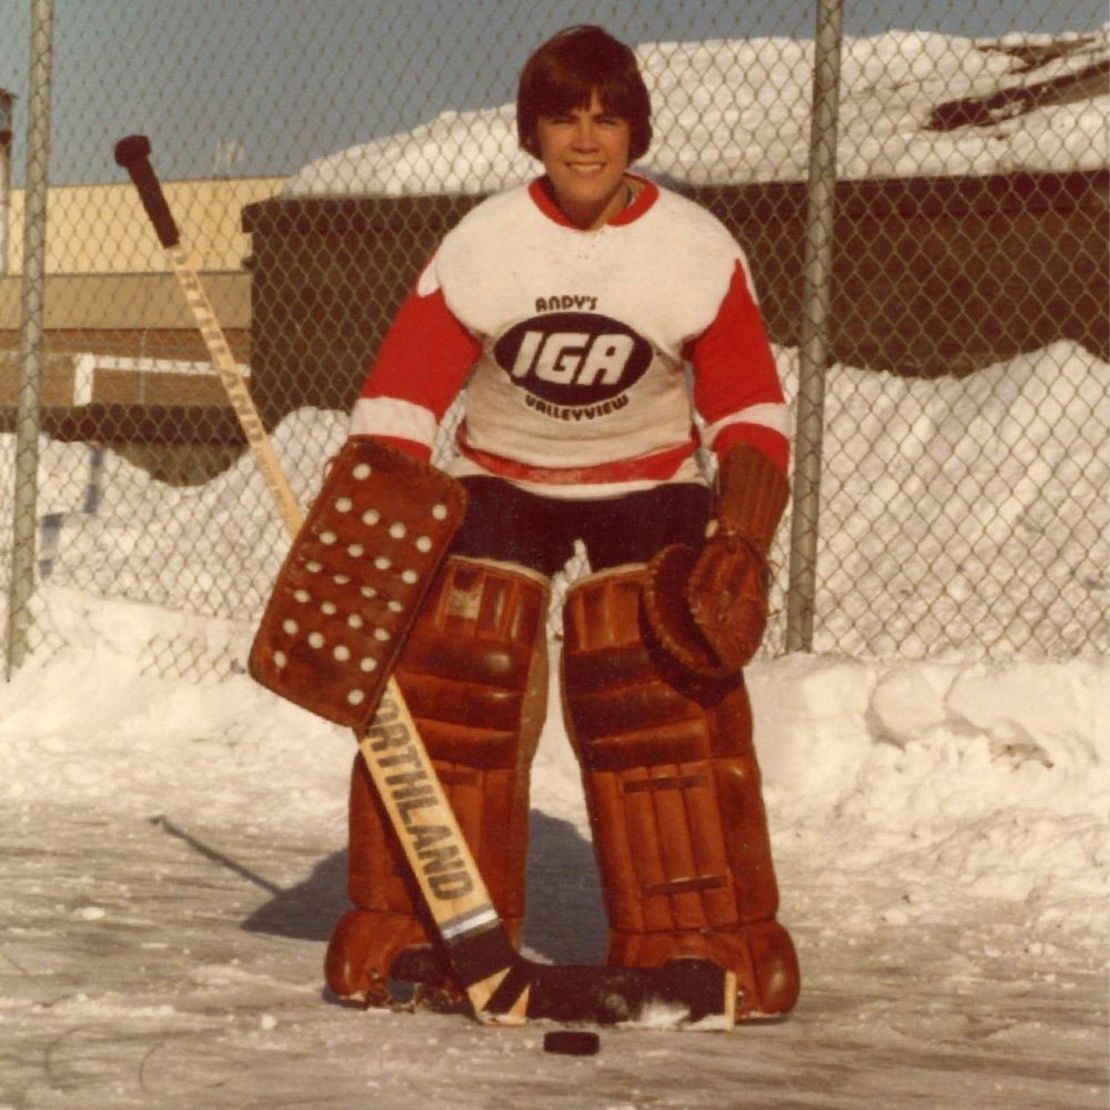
<point>939,781</point>
<point>959,511</point>
<point>944,784</point>
<point>959,518</point>
<point>89,725</point>
<point>822,720</point>
<point>735,111</point>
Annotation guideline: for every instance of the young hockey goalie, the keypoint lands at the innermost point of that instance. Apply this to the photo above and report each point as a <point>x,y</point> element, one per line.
<point>586,316</point>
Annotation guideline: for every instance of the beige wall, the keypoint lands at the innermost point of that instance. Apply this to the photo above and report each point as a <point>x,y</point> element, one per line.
<point>102,229</point>
<point>126,302</point>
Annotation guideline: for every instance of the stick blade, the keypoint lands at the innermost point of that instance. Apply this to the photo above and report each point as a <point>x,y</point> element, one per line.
<point>683,993</point>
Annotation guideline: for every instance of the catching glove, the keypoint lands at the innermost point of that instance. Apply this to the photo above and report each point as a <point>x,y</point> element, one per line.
<point>708,608</point>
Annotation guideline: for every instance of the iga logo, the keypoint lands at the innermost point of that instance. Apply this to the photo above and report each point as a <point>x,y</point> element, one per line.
<point>573,358</point>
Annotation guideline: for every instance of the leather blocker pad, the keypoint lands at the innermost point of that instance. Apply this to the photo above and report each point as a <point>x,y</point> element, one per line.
<point>354,580</point>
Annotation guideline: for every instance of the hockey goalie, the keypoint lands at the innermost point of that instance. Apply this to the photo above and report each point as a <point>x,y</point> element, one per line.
<point>586,317</point>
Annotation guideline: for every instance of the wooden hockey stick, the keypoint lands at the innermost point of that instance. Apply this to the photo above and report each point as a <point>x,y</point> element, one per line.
<point>500,985</point>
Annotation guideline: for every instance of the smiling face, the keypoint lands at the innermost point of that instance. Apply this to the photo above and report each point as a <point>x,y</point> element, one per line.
<point>585,152</point>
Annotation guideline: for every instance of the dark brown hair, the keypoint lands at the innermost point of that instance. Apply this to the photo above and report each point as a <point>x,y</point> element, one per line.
<point>562,74</point>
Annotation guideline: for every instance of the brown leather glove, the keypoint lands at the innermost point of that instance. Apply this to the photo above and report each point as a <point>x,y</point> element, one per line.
<point>708,608</point>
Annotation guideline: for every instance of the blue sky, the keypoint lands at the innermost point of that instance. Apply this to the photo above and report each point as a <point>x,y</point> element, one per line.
<point>259,87</point>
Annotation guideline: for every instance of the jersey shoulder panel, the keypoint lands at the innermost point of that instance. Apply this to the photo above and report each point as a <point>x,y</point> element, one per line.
<point>695,256</point>
<point>697,226</point>
<point>475,259</point>
<point>490,221</point>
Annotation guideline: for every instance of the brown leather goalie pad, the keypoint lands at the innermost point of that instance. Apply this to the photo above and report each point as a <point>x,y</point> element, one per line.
<point>354,579</point>
<point>474,676</point>
<point>674,797</point>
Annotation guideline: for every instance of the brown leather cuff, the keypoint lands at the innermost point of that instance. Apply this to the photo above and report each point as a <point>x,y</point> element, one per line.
<point>752,494</point>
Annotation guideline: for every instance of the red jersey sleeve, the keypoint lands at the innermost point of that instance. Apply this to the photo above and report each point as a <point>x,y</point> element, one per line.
<point>419,369</point>
<point>736,383</point>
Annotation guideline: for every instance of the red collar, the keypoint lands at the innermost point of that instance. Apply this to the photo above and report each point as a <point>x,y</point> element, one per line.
<point>649,194</point>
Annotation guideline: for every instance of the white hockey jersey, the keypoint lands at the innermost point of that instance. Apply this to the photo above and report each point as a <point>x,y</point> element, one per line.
<point>573,347</point>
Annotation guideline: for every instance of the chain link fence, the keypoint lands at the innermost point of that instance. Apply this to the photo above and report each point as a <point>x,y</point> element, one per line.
<point>314,153</point>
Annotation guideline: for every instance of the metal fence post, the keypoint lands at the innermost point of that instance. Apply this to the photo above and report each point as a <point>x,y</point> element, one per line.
<point>814,345</point>
<point>32,298</point>
<point>5,176</point>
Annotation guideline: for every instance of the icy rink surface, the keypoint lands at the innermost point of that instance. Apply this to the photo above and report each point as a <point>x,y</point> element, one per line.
<point>170,980</point>
<point>173,864</point>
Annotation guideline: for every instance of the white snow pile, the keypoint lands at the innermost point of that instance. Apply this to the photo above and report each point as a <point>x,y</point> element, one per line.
<point>935,785</point>
<point>109,527</point>
<point>966,510</point>
<point>959,517</point>
<point>736,111</point>
<point>905,789</point>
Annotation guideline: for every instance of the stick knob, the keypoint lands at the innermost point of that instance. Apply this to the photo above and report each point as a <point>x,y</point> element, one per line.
<point>133,154</point>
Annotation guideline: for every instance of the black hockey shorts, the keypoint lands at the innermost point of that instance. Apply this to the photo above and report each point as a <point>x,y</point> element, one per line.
<point>511,525</point>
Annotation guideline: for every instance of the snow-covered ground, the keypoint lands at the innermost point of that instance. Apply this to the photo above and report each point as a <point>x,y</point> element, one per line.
<point>173,851</point>
<point>173,864</point>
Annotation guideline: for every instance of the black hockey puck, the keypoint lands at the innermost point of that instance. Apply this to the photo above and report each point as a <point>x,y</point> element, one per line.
<point>572,1043</point>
